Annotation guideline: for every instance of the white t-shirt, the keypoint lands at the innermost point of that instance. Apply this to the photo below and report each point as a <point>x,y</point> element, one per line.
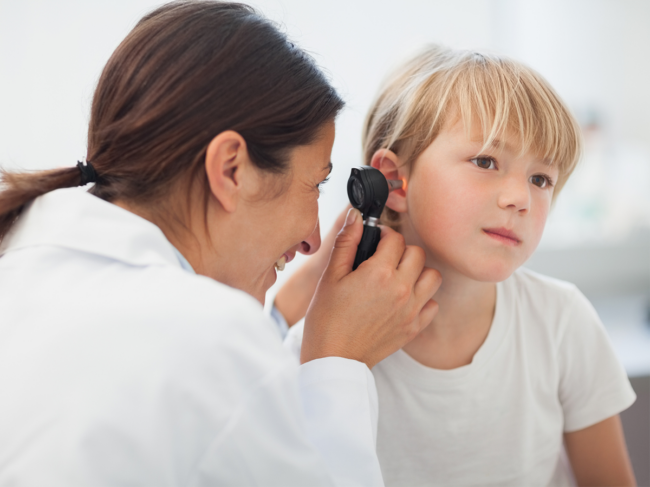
<point>545,368</point>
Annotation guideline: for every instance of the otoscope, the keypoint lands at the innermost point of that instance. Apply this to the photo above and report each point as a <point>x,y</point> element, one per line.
<point>368,191</point>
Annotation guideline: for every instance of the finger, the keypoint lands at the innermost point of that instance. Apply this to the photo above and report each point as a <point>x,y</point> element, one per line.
<point>427,285</point>
<point>321,258</point>
<point>340,220</point>
<point>424,319</point>
<point>427,314</point>
<point>390,248</point>
<point>412,262</point>
<point>328,241</point>
<point>345,246</point>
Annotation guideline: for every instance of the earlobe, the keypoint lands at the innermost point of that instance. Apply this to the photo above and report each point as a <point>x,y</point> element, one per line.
<point>390,165</point>
<point>224,164</point>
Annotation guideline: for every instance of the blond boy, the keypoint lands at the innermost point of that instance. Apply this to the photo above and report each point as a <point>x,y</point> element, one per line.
<point>516,368</point>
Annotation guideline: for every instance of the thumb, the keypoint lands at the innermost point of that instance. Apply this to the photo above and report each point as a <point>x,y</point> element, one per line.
<point>345,245</point>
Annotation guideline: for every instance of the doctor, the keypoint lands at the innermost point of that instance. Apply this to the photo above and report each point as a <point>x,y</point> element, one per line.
<point>133,347</point>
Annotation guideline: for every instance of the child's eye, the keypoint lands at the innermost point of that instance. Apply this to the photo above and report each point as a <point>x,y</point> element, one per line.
<point>484,162</point>
<point>541,181</point>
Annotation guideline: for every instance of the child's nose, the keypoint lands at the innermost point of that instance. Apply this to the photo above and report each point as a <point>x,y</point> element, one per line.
<point>515,194</point>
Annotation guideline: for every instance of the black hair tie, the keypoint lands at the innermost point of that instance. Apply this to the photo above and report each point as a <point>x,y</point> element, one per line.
<point>88,173</point>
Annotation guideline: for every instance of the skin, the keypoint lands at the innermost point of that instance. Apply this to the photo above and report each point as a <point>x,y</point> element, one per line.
<point>459,197</point>
<point>253,218</point>
<point>294,297</point>
<point>598,455</point>
<point>291,218</point>
<point>454,204</point>
<point>239,203</point>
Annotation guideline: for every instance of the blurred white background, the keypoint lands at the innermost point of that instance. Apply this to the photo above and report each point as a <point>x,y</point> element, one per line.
<point>594,52</point>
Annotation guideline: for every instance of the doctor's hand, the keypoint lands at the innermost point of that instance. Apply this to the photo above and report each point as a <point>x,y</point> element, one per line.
<point>293,298</point>
<point>368,314</point>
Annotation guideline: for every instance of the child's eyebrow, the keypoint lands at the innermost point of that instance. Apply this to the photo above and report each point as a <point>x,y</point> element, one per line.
<point>496,144</point>
<point>499,144</point>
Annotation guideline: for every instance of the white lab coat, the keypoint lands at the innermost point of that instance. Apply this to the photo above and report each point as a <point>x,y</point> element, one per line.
<point>118,367</point>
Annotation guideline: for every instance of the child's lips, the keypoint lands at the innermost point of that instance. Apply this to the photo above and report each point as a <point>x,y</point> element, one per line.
<point>503,235</point>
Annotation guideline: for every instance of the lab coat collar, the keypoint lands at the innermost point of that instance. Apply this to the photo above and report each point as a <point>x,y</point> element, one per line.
<point>74,219</point>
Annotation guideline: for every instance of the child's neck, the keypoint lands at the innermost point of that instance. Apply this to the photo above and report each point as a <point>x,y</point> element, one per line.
<point>466,309</point>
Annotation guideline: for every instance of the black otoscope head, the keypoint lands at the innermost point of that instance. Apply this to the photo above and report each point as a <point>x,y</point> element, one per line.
<point>368,191</point>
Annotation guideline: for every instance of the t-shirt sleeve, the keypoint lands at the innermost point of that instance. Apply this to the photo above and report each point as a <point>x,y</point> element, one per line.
<point>593,383</point>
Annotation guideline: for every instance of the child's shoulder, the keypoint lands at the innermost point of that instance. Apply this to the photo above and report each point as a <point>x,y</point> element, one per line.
<point>529,285</point>
<point>550,303</point>
<point>539,281</point>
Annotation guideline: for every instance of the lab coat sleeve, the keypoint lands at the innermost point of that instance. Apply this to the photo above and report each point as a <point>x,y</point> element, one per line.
<point>340,403</point>
<point>341,409</point>
<point>271,441</point>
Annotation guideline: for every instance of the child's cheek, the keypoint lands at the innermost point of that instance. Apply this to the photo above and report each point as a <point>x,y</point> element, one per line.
<point>538,220</point>
<point>442,207</point>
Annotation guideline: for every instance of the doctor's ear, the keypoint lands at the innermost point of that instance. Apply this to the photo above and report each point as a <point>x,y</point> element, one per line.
<point>390,164</point>
<point>228,167</point>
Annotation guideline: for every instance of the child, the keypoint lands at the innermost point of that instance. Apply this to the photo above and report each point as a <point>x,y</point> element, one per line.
<point>514,364</point>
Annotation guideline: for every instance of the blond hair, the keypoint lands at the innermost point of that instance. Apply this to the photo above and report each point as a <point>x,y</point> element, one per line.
<point>502,95</point>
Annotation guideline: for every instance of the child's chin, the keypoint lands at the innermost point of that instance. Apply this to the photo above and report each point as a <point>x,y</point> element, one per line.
<point>492,273</point>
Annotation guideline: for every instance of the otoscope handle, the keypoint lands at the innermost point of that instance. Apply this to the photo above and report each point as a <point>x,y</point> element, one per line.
<point>367,246</point>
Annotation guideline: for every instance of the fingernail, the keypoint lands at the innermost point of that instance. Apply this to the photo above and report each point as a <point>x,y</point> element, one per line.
<point>352,216</point>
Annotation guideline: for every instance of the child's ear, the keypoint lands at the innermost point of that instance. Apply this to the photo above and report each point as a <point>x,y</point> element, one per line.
<point>390,165</point>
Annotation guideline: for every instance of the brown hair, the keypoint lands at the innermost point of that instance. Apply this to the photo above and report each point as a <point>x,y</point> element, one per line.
<point>500,94</point>
<point>188,71</point>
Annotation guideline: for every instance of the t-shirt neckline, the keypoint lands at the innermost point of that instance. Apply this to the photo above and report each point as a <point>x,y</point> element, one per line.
<point>426,377</point>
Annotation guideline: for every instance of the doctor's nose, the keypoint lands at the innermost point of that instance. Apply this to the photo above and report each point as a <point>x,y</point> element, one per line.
<point>515,195</point>
<point>312,244</point>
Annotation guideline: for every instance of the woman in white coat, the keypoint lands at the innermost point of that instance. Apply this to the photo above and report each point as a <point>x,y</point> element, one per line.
<point>133,347</point>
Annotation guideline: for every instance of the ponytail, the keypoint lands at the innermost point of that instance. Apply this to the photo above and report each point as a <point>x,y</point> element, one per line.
<point>20,188</point>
